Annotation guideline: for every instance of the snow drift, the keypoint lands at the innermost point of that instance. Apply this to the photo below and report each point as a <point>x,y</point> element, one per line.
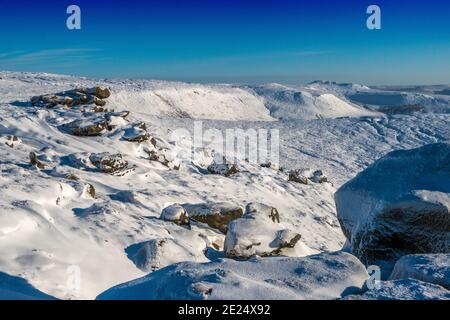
<point>433,268</point>
<point>290,103</point>
<point>323,276</point>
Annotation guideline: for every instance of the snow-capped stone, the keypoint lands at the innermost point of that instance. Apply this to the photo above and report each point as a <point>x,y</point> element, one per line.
<point>93,126</point>
<point>406,289</point>
<point>158,253</point>
<point>304,176</point>
<point>108,163</point>
<point>297,176</point>
<point>99,102</point>
<point>270,165</point>
<point>223,167</point>
<point>137,133</point>
<point>175,213</point>
<point>258,233</point>
<point>99,92</point>
<point>400,205</point>
<point>432,268</point>
<point>318,177</point>
<point>322,276</point>
<point>255,209</point>
<point>47,101</point>
<point>164,156</point>
<point>216,215</point>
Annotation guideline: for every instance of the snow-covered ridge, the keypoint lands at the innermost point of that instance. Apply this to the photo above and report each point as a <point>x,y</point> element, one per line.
<point>197,101</point>
<point>156,98</point>
<point>291,103</point>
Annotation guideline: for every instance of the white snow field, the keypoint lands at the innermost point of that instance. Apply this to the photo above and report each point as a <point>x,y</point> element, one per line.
<point>82,188</point>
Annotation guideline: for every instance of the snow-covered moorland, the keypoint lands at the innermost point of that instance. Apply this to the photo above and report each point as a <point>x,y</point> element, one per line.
<point>94,193</point>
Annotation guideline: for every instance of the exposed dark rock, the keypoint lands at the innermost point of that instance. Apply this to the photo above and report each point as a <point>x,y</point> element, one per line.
<point>35,161</point>
<point>296,176</point>
<point>215,215</point>
<point>223,167</point>
<point>94,126</point>
<point>398,206</point>
<point>108,163</point>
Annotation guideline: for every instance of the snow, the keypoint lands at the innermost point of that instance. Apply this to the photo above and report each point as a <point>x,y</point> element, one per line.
<point>407,289</point>
<point>157,253</point>
<point>323,276</point>
<point>50,223</point>
<point>291,103</point>
<point>15,288</point>
<point>399,205</point>
<point>260,233</point>
<point>432,268</point>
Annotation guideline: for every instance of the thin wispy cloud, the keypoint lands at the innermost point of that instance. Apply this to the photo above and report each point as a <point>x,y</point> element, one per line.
<point>42,57</point>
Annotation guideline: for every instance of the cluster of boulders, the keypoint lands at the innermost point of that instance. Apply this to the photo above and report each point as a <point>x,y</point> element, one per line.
<point>89,99</point>
<point>108,163</point>
<point>221,165</point>
<point>215,215</point>
<point>307,176</point>
<point>96,120</point>
<point>255,232</point>
<point>258,233</point>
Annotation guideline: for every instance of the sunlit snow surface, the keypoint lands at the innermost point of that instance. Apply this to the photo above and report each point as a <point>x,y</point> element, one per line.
<point>50,228</point>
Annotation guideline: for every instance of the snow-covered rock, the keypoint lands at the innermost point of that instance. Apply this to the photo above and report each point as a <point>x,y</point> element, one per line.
<point>136,133</point>
<point>175,213</point>
<point>216,215</point>
<point>400,205</point>
<point>87,127</point>
<point>406,289</point>
<point>165,156</point>
<point>318,177</point>
<point>259,233</point>
<point>108,163</point>
<point>157,253</point>
<point>322,276</point>
<point>304,176</point>
<point>298,177</point>
<point>433,268</point>
<point>255,209</point>
<point>222,166</point>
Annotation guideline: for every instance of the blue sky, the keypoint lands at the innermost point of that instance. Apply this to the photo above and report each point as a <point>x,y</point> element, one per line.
<point>231,41</point>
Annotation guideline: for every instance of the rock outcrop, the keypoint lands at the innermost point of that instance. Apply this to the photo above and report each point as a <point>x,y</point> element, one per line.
<point>223,167</point>
<point>215,215</point>
<point>108,163</point>
<point>258,233</point>
<point>400,205</point>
